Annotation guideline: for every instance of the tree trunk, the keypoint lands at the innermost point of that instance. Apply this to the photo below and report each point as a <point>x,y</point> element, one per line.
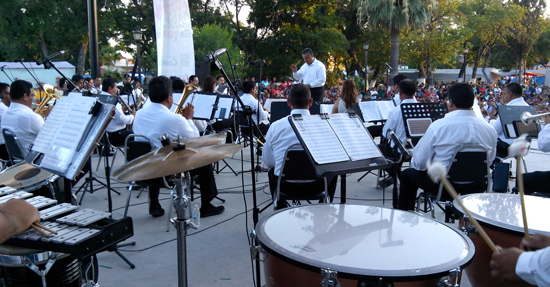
<point>375,75</point>
<point>394,54</point>
<point>81,59</point>
<point>476,64</point>
<point>488,78</point>
<point>43,47</point>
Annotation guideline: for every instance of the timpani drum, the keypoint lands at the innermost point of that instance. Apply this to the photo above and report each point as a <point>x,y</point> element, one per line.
<point>26,177</point>
<point>501,217</point>
<point>65,271</point>
<point>363,244</point>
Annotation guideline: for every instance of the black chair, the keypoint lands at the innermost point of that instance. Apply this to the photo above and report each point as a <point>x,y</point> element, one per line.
<point>106,149</point>
<point>15,151</point>
<point>469,173</point>
<point>298,180</point>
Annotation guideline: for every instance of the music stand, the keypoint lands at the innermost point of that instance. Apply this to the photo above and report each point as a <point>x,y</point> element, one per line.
<point>417,117</point>
<point>279,110</point>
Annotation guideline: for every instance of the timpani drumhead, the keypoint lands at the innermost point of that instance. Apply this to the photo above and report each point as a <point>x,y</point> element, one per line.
<point>503,211</point>
<point>23,175</point>
<point>364,242</point>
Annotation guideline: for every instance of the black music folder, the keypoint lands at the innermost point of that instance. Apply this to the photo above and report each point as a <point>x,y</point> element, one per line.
<point>71,132</point>
<point>510,119</point>
<point>337,143</point>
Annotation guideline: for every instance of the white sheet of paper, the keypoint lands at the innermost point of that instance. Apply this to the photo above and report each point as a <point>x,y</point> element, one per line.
<point>353,136</point>
<point>370,111</point>
<point>203,106</point>
<point>223,103</point>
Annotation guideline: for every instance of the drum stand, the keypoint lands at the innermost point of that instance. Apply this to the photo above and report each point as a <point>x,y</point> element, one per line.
<point>181,223</point>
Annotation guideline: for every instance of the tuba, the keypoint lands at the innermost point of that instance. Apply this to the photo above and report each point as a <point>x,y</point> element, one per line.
<point>51,93</point>
<point>189,88</point>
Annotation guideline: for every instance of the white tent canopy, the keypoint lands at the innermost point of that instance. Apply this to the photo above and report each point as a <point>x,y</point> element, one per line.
<point>16,70</point>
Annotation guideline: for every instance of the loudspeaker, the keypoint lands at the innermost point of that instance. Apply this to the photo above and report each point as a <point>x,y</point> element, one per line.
<point>202,70</point>
<point>500,177</point>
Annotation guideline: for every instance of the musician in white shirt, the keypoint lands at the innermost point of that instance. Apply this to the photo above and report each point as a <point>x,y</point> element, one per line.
<point>249,99</point>
<point>312,73</point>
<point>117,128</point>
<point>4,104</point>
<point>96,88</point>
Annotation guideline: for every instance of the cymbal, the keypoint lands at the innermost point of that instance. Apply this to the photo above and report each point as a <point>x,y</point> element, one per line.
<point>164,161</point>
<point>205,140</point>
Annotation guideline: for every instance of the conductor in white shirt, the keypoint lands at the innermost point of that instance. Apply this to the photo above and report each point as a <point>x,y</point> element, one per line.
<point>312,73</point>
<point>516,265</point>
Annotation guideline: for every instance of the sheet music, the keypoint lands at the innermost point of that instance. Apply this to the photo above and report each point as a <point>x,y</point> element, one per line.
<point>224,104</point>
<point>353,136</point>
<point>370,111</point>
<point>65,125</point>
<point>326,108</point>
<point>177,97</point>
<point>203,106</point>
<point>419,126</point>
<point>385,107</point>
<point>324,146</point>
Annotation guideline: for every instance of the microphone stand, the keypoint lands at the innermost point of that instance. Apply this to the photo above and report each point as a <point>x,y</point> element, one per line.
<point>6,74</point>
<point>247,112</point>
<point>48,64</point>
<point>35,79</point>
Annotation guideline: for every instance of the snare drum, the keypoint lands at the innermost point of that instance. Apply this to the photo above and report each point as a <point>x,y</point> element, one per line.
<point>363,244</point>
<point>26,177</point>
<point>64,272</point>
<point>500,215</point>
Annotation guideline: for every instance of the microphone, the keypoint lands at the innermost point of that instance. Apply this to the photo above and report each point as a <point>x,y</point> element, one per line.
<point>212,56</point>
<point>389,67</point>
<point>40,62</point>
<point>260,61</point>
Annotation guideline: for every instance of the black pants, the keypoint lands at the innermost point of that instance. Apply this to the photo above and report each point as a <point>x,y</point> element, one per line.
<point>375,131</point>
<point>117,138</point>
<point>207,184</point>
<point>502,148</point>
<point>389,153</point>
<point>317,94</point>
<point>536,181</point>
<point>332,181</point>
<point>4,152</point>
<point>411,181</point>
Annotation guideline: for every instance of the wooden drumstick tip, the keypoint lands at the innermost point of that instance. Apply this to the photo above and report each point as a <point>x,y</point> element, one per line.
<point>45,228</point>
<point>40,231</point>
<point>437,171</point>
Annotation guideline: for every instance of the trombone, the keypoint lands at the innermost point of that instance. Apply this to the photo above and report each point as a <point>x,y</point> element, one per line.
<point>527,118</point>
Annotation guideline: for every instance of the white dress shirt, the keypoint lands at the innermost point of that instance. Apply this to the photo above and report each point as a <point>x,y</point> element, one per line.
<point>544,139</point>
<point>251,101</point>
<point>23,122</point>
<point>280,137</point>
<point>397,99</point>
<point>120,120</point>
<point>156,120</point>
<point>315,74</point>
<point>498,126</point>
<point>95,90</point>
<point>3,109</point>
<point>395,123</point>
<point>534,267</point>
<point>445,135</point>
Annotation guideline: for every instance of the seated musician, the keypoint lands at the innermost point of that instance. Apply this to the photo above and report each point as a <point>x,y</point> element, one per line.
<point>443,137</point>
<point>260,114</point>
<point>179,85</point>
<point>116,129</point>
<point>349,97</point>
<point>376,130</point>
<point>16,216</point>
<point>395,123</point>
<point>281,136</point>
<point>19,117</point>
<point>539,180</point>
<point>4,104</point>
<point>513,96</point>
<point>155,121</point>
<point>517,265</point>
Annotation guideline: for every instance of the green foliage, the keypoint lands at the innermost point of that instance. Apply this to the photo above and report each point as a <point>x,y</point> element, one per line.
<point>212,37</point>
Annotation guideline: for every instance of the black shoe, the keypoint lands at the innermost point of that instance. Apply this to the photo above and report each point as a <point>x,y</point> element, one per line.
<point>156,212</point>
<point>211,210</point>
<point>386,182</point>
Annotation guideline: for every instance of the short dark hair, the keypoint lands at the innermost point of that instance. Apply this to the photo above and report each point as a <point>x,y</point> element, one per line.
<point>462,95</point>
<point>407,87</point>
<point>77,78</point>
<point>178,84</point>
<point>62,82</point>
<point>107,83</point>
<point>218,77</point>
<point>299,96</point>
<point>191,78</point>
<point>398,78</point>
<point>515,89</point>
<point>248,86</point>
<point>3,87</point>
<point>307,51</point>
<point>20,88</point>
<point>208,84</point>
<point>159,89</point>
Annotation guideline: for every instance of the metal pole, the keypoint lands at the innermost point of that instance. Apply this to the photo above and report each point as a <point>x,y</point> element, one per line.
<point>465,65</point>
<point>92,30</point>
<point>366,72</point>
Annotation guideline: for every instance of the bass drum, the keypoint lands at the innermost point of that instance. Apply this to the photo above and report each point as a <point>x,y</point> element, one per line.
<point>501,217</point>
<point>364,244</point>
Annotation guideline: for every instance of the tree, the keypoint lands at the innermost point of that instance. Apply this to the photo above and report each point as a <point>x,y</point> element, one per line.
<point>393,17</point>
<point>212,37</point>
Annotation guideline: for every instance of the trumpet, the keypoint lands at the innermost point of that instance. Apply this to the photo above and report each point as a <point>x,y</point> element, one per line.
<point>527,118</point>
<point>189,88</point>
<point>51,93</point>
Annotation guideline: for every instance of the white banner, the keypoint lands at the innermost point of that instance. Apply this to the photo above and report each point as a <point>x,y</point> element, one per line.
<point>175,51</point>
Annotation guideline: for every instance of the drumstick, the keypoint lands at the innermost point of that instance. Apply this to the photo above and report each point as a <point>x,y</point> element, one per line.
<point>40,231</point>
<point>436,171</point>
<point>45,228</point>
<point>517,149</point>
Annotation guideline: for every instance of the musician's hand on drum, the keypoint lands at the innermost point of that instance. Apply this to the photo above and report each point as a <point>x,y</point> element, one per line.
<point>503,264</point>
<point>16,216</point>
<point>188,111</point>
<point>536,241</point>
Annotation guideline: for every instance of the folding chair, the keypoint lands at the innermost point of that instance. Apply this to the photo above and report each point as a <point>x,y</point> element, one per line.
<point>15,151</point>
<point>107,147</point>
<point>298,180</point>
<point>469,173</point>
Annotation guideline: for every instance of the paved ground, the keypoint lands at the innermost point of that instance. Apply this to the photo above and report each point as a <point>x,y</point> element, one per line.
<point>218,252</point>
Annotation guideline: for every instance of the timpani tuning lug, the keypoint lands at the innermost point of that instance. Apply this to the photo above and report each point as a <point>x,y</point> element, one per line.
<point>331,278</point>
<point>451,280</point>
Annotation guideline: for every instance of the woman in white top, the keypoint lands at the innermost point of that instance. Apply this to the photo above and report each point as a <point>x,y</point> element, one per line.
<point>349,97</point>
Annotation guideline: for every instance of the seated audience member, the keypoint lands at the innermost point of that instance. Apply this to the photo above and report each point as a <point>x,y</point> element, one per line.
<point>443,137</point>
<point>281,136</point>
